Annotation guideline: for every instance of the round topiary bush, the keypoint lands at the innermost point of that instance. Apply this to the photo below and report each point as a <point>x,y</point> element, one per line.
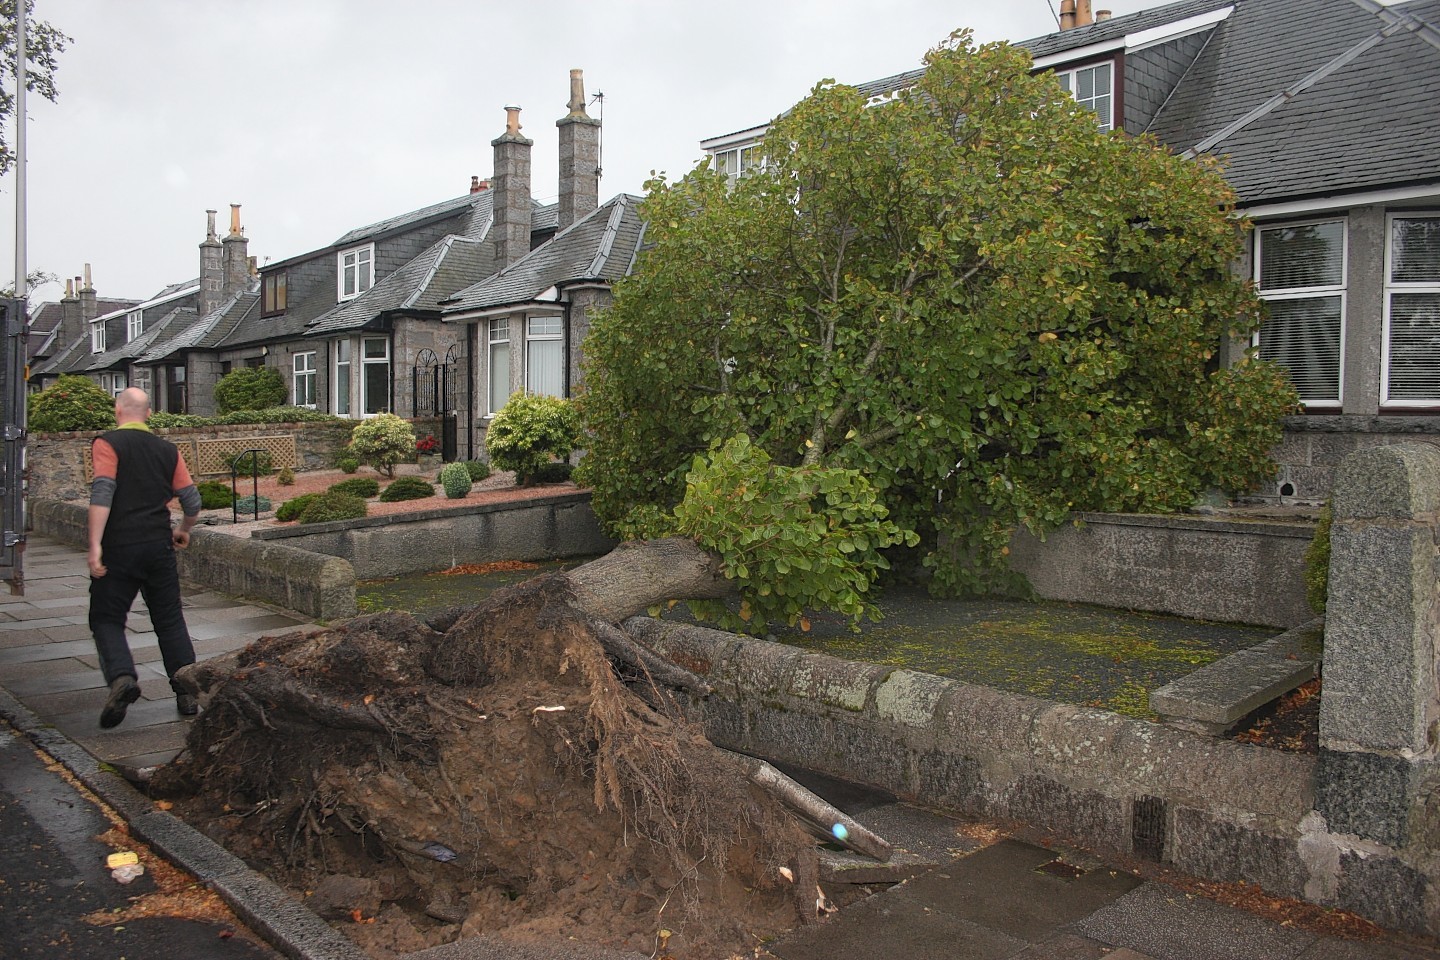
<point>455,480</point>
<point>383,441</point>
<point>71,403</point>
<point>347,464</point>
<point>250,388</point>
<point>357,487</point>
<point>286,477</point>
<point>291,509</point>
<point>531,430</point>
<point>408,488</point>
<point>332,506</point>
<point>478,470</point>
<point>215,495</point>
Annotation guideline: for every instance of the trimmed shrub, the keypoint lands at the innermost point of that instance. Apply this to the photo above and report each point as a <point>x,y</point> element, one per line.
<point>478,470</point>
<point>556,471</point>
<point>161,420</point>
<point>408,488</point>
<point>291,509</point>
<point>383,441</point>
<point>250,388</point>
<point>274,415</point>
<point>357,487</point>
<point>348,464</point>
<point>531,430</point>
<point>332,506</point>
<point>252,505</point>
<point>215,495</point>
<point>71,403</point>
<point>286,477</point>
<point>455,480</point>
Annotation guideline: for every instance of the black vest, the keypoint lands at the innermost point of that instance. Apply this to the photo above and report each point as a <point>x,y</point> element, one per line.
<point>144,487</point>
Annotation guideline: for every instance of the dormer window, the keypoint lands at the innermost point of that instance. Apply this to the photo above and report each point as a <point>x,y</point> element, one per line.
<point>97,336</point>
<point>737,161</point>
<point>1092,87</point>
<point>134,326</point>
<point>272,294</point>
<point>357,271</point>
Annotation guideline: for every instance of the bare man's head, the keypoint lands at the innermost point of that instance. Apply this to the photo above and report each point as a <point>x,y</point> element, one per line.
<point>131,405</point>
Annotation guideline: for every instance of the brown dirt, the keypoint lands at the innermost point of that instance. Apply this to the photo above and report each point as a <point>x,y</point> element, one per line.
<point>416,786</point>
<point>1291,723</point>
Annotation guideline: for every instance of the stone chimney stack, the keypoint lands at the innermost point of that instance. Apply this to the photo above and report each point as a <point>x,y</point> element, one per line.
<point>579,156</point>
<point>72,327</point>
<point>212,271</point>
<point>89,308</point>
<point>511,204</point>
<point>235,257</point>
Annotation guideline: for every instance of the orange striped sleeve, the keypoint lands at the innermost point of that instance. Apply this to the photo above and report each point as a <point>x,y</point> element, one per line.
<point>103,459</point>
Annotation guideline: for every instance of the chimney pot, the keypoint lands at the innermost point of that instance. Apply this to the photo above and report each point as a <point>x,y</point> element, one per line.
<point>69,289</point>
<point>1102,15</point>
<point>512,120</point>
<point>1067,14</point>
<point>86,272</point>
<point>235,228</point>
<point>1083,15</point>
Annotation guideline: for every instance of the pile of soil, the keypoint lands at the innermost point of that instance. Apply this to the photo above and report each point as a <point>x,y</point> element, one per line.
<point>487,772</point>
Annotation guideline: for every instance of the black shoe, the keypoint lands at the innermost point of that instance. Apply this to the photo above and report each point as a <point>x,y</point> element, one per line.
<point>186,705</point>
<point>123,692</point>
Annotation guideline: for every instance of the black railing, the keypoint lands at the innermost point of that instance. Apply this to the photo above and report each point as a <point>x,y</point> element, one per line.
<point>254,455</point>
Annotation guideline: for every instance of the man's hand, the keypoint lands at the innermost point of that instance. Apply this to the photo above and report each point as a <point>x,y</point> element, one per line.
<point>181,538</point>
<point>92,560</point>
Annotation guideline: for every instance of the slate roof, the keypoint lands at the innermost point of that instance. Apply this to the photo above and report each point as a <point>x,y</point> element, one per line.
<point>1117,27</point>
<point>449,264</point>
<point>156,331</point>
<point>1371,124</point>
<point>599,246</point>
<point>207,332</point>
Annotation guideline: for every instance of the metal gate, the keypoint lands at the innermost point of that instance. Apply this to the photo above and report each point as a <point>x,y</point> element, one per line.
<point>437,390</point>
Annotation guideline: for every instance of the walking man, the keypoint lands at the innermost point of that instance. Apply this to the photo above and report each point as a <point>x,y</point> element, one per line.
<point>132,549</point>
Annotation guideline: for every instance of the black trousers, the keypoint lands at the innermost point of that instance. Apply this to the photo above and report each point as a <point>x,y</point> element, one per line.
<point>148,569</point>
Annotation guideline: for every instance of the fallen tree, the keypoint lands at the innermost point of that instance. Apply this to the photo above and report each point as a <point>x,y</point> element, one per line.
<point>520,767</point>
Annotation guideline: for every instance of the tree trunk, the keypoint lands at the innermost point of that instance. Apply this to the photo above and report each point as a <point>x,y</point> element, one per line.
<point>635,576</point>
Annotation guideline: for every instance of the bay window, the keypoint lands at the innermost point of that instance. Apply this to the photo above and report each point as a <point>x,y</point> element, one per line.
<point>1300,272</point>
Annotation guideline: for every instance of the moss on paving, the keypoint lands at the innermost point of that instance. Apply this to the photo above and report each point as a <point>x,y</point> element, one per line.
<point>1069,653</point>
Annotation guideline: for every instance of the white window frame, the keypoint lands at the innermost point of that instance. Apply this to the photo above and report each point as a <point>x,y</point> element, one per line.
<point>367,362</point>
<point>1070,80</point>
<point>1393,287</point>
<point>497,374</point>
<point>97,336</point>
<point>553,331</point>
<point>113,383</point>
<point>1324,291</point>
<point>134,325</point>
<point>344,378</point>
<point>303,366</point>
<point>735,162</point>
<point>348,266</point>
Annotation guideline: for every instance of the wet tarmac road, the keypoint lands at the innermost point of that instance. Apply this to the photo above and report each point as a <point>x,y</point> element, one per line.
<point>53,875</point>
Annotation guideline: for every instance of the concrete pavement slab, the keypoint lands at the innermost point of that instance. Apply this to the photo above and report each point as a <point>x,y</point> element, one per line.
<point>887,926</point>
<point>1169,924</point>
<point>1003,887</point>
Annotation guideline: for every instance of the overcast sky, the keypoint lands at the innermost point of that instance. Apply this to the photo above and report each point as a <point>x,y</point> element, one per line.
<point>318,116</point>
